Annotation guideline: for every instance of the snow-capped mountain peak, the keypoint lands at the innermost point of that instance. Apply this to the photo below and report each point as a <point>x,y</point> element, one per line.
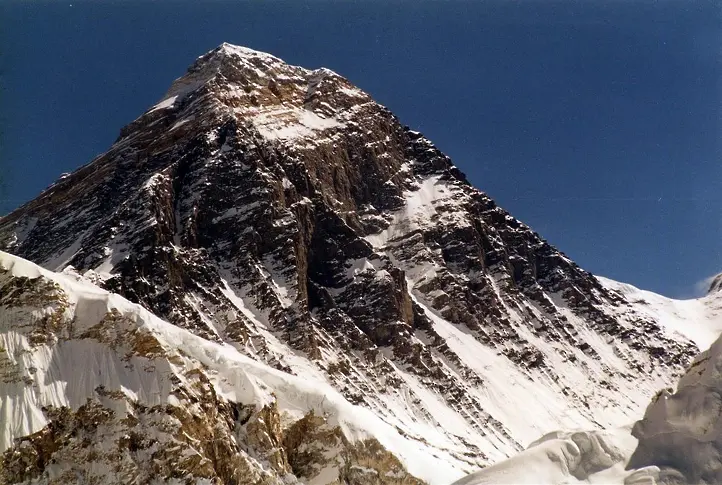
<point>281,214</point>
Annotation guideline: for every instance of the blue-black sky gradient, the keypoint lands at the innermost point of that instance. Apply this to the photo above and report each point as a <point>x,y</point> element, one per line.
<point>596,123</point>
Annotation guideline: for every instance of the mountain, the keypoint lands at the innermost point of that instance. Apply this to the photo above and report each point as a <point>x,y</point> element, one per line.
<point>275,218</point>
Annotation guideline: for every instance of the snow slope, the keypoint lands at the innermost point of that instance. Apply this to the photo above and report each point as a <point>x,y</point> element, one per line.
<point>69,371</point>
<point>698,319</point>
<point>678,440</point>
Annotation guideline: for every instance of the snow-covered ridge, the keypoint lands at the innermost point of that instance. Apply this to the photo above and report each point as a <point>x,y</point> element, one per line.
<point>208,67</point>
<point>257,70</point>
<point>597,457</point>
<point>681,432</point>
<point>243,51</point>
<point>698,319</point>
<point>69,370</point>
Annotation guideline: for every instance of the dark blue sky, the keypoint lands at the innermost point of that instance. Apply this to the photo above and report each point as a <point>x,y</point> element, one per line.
<point>597,123</point>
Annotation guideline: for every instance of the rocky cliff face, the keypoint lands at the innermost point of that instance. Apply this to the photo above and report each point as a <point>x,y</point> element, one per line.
<point>281,212</point>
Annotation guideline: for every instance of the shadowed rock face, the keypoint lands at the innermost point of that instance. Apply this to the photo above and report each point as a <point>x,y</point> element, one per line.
<point>283,211</point>
<point>716,284</point>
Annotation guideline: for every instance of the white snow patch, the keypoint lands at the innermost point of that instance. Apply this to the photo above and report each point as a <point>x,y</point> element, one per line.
<point>166,103</point>
<point>289,124</point>
<point>419,211</point>
<point>22,229</point>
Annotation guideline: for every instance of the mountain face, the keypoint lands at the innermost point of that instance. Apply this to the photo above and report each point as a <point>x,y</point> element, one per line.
<point>678,441</point>
<point>275,218</point>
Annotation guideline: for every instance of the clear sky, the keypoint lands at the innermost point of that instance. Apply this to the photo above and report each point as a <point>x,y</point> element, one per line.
<point>596,123</point>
